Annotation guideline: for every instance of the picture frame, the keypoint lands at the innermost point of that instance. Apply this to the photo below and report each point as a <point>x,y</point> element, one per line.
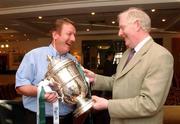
<point>15,60</point>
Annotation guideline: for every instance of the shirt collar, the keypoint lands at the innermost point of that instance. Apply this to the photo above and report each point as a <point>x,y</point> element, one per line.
<point>141,44</point>
<point>55,53</point>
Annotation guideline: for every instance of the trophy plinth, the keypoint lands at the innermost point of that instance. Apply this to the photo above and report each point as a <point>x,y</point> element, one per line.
<point>83,105</point>
<point>69,84</point>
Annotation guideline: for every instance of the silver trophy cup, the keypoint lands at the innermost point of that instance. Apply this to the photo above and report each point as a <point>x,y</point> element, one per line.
<point>69,83</point>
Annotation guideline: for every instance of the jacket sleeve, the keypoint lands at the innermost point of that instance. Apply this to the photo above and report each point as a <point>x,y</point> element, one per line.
<point>103,82</point>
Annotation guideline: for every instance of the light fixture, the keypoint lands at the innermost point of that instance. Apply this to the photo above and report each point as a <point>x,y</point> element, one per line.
<point>103,47</point>
<point>6,28</point>
<point>2,46</point>
<point>6,45</point>
<point>113,22</point>
<point>153,10</point>
<point>87,29</point>
<point>163,20</point>
<point>40,17</point>
<point>93,13</point>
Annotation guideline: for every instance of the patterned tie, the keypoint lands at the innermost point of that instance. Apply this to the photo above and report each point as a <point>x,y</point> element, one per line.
<point>131,54</point>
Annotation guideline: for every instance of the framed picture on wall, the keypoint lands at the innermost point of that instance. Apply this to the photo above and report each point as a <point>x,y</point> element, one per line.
<point>15,60</point>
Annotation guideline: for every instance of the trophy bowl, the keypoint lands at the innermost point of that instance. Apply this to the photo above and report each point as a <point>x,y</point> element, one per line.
<point>69,83</point>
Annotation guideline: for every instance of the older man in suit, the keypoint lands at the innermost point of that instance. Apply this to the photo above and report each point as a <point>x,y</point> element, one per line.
<point>142,81</point>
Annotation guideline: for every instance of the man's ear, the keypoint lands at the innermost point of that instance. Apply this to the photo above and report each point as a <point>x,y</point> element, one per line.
<point>138,26</point>
<point>55,35</point>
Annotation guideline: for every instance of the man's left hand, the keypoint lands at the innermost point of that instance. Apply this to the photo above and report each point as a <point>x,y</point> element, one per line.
<point>99,103</point>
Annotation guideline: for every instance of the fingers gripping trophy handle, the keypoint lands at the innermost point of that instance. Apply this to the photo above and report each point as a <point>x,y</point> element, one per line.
<point>55,89</point>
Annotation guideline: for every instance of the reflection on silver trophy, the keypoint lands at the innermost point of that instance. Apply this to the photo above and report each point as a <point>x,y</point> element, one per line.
<point>69,83</point>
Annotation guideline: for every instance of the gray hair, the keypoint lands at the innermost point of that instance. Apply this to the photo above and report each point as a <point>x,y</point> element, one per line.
<point>134,14</point>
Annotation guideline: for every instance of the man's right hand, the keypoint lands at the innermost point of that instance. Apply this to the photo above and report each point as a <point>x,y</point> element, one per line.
<point>51,97</point>
<point>91,75</point>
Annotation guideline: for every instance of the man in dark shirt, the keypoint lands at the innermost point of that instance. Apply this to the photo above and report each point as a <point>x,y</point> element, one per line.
<point>109,68</point>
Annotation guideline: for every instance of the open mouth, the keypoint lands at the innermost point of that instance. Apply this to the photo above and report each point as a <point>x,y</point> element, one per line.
<point>69,44</point>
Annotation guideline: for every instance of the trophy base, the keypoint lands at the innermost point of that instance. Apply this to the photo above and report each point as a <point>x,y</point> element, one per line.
<point>83,108</point>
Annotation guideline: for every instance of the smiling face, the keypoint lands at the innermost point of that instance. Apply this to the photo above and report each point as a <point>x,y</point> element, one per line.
<point>134,26</point>
<point>64,38</point>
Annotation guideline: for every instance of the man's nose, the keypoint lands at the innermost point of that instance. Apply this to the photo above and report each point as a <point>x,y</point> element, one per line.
<point>73,38</point>
<point>120,32</point>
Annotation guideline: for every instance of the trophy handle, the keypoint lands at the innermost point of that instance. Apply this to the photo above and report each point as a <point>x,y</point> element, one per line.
<point>79,67</point>
<point>62,96</point>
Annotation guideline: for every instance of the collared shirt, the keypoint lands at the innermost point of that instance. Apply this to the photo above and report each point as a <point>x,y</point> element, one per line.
<point>141,44</point>
<point>32,70</point>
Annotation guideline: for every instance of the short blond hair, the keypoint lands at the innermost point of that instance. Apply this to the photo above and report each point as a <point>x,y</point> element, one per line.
<point>134,14</point>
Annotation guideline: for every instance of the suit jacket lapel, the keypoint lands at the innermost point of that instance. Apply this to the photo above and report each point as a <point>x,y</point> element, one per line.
<point>123,60</point>
<point>136,58</point>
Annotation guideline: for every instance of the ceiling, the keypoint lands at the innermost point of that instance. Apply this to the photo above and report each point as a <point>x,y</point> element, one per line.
<point>21,16</point>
